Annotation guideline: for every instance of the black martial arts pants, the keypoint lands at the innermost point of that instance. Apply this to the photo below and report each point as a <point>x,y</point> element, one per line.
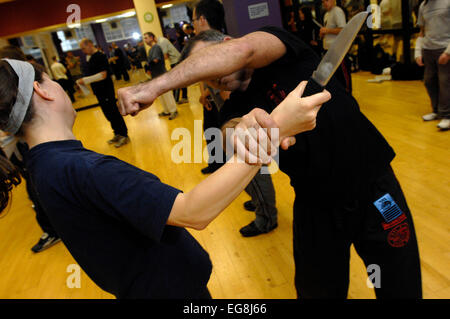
<point>107,101</point>
<point>323,236</point>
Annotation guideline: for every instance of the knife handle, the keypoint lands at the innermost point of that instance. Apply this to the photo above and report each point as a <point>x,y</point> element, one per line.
<point>312,87</point>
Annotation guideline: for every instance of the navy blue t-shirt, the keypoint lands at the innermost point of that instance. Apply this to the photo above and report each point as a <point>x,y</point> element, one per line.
<point>112,218</point>
<point>334,160</point>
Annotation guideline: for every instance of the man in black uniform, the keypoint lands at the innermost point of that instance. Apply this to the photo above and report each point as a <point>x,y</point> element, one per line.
<point>346,191</point>
<point>103,87</point>
<point>121,63</point>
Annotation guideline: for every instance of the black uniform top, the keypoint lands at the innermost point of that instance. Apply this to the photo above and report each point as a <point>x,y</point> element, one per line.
<point>99,63</point>
<point>156,68</point>
<point>120,57</point>
<point>341,153</point>
<point>112,217</point>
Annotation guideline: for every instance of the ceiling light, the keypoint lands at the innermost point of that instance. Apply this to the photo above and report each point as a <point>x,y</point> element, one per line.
<point>128,14</point>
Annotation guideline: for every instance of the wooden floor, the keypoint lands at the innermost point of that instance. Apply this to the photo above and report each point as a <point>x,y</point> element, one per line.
<point>260,267</point>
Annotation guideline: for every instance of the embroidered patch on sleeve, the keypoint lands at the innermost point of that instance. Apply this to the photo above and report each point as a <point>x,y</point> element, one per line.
<point>388,208</point>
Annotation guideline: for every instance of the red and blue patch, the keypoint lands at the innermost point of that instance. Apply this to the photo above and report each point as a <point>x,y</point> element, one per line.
<point>393,218</point>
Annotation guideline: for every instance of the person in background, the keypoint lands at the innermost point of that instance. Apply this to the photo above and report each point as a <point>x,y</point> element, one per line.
<point>179,40</point>
<point>157,67</point>
<point>210,15</point>
<point>334,21</point>
<point>291,23</point>
<point>173,55</point>
<point>121,61</point>
<point>30,58</point>
<point>206,15</point>
<point>433,52</point>
<point>74,66</point>
<point>141,53</point>
<point>189,33</point>
<point>103,87</point>
<point>308,31</point>
<point>60,75</point>
<point>15,150</point>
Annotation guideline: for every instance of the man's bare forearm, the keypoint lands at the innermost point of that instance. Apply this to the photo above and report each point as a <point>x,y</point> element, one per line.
<point>212,62</point>
<point>254,50</point>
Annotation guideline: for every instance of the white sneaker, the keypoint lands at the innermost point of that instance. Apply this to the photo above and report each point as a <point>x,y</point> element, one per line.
<point>444,124</point>
<point>430,117</point>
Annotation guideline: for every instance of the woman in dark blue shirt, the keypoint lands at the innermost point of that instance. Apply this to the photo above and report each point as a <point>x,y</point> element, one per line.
<point>122,225</point>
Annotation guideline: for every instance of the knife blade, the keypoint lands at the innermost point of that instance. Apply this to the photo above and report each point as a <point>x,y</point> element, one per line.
<point>333,58</point>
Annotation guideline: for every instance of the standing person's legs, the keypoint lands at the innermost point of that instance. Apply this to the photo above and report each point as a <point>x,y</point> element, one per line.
<point>184,95</point>
<point>431,78</point>
<point>444,88</point>
<point>169,105</point>
<point>390,242</point>
<point>321,253</point>
<point>49,237</point>
<point>109,107</point>
<point>176,92</point>
<point>41,216</point>
<point>211,120</point>
<point>125,74</point>
<point>263,197</point>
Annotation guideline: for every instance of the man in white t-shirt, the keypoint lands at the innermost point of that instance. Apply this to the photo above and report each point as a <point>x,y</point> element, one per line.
<point>433,51</point>
<point>60,74</point>
<point>334,21</point>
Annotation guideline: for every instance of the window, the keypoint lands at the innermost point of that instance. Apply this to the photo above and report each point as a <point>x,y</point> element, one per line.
<point>28,41</point>
<point>120,30</point>
<point>70,38</point>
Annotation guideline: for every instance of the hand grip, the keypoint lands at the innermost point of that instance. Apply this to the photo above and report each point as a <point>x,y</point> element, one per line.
<point>312,87</point>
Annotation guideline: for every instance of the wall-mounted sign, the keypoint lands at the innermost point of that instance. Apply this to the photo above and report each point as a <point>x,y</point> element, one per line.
<point>258,10</point>
<point>148,17</point>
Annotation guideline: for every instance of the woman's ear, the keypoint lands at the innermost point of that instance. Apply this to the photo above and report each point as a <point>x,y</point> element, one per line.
<point>42,92</point>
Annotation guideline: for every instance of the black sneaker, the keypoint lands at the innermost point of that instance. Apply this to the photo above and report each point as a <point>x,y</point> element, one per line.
<point>251,230</point>
<point>248,205</point>
<point>45,242</point>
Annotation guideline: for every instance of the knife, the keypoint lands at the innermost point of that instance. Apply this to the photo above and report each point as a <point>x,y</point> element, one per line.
<point>333,58</point>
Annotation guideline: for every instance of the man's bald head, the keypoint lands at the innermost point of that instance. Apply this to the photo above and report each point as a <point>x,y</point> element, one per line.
<point>87,46</point>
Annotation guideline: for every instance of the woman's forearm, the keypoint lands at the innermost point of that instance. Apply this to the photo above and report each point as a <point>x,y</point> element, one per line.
<point>201,205</point>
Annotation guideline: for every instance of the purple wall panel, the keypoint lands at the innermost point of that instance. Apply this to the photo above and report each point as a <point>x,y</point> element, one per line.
<point>239,22</point>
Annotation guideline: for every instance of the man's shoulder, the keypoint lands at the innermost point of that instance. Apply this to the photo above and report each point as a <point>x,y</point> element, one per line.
<point>337,10</point>
<point>163,41</point>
